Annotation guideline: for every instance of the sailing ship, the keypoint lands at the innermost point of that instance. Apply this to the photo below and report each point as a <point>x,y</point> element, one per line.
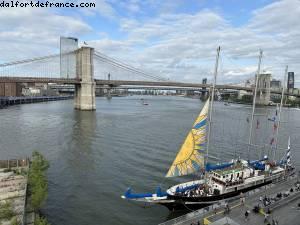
<point>220,181</point>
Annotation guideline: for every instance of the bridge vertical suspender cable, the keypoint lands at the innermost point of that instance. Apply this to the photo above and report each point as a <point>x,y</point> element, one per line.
<point>116,63</point>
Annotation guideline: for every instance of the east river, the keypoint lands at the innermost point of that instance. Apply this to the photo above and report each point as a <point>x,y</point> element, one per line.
<point>96,156</point>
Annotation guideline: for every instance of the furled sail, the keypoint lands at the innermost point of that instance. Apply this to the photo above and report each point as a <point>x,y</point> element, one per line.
<point>190,158</point>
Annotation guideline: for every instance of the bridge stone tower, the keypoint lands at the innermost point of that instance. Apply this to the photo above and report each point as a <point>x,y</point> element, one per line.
<point>263,89</point>
<point>85,91</point>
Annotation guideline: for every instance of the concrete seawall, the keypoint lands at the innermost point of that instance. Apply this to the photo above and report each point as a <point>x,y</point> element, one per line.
<point>13,189</point>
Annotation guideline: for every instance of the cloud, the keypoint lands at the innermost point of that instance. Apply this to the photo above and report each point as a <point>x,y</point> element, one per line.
<point>278,23</point>
<point>108,45</point>
<point>103,8</point>
<point>29,32</point>
<point>280,16</point>
<point>131,6</point>
<point>182,46</point>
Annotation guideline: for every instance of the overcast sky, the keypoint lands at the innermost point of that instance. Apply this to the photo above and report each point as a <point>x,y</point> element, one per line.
<point>171,38</point>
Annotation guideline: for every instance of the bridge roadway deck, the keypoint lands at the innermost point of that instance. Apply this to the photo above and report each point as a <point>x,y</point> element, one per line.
<point>285,211</point>
<point>112,83</point>
<point>115,83</point>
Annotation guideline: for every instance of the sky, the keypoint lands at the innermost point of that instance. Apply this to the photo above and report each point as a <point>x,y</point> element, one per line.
<point>175,39</point>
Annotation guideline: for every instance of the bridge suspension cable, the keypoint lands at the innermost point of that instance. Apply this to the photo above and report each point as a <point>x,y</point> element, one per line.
<point>49,65</point>
<point>28,60</point>
<point>35,59</point>
<point>118,64</point>
<point>43,66</point>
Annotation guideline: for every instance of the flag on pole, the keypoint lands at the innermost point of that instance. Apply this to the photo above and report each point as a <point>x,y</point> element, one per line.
<point>288,153</point>
<point>257,124</point>
<point>272,141</point>
<point>275,121</point>
<point>219,95</point>
<point>272,119</point>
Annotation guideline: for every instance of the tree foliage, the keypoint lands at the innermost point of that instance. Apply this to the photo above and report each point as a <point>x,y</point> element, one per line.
<point>247,99</point>
<point>38,185</point>
<point>6,211</point>
<point>15,221</point>
<point>41,221</point>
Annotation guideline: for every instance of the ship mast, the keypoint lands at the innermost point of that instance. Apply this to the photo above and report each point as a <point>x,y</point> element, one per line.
<point>211,102</point>
<point>254,101</point>
<point>280,108</point>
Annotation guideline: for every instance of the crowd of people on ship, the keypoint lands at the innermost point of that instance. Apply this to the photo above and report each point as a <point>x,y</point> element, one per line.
<point>204,190</point>
<point>199,191</point>
<point>234,182</point>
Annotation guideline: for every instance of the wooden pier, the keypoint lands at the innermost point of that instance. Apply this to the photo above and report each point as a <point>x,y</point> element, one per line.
<point>7,101</point>
<point>284,209</point>
<point>13,189</point>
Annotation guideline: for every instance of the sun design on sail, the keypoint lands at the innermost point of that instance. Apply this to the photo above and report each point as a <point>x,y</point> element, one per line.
<point>190,158</point>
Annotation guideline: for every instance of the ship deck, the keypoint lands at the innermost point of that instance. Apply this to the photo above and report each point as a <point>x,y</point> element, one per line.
<point>285,210</point>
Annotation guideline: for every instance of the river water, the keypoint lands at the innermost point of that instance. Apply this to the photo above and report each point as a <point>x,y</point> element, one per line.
<point>95,156</point>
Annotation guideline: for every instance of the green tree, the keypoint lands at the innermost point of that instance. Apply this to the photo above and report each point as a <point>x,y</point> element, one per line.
<point>15,221</point>
<point>247,99</point>
<point>39,162</point>
<point>38,185</point>
<point>6,211</point>
<point>41,221</point>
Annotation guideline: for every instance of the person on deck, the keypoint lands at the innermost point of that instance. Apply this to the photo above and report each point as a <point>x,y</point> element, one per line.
<point>246,215</point>
<point>266,220</point>
<point>242,199</point>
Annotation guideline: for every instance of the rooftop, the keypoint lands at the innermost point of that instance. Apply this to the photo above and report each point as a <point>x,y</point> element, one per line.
<point>229,170</point>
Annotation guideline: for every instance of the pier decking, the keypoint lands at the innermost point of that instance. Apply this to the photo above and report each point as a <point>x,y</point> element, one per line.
<point>7,101</point>
<point>285,209</point>
<point>13,188</point>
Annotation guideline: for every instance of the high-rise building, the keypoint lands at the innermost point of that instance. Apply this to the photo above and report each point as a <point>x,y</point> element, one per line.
<point>290,81</point>
<point>67,57</point>
<point>275,83</point>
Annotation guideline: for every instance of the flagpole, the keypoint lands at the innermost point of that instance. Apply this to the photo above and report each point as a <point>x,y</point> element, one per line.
<point>280,108</point>
<point>254,101</point>
<point>211,103</point>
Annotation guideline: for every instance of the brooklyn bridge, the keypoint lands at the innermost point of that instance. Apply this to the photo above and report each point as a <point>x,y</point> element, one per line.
<point>86,68</point>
